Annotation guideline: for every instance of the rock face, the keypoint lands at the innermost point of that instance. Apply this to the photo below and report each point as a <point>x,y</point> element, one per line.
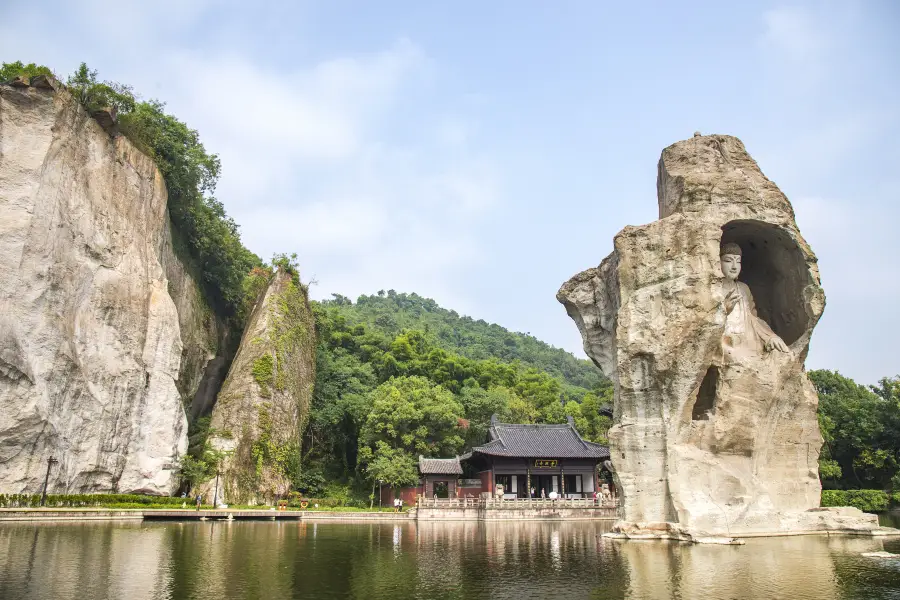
<point>93,306</point>
<point>263,405</point>
<point>708,441</point>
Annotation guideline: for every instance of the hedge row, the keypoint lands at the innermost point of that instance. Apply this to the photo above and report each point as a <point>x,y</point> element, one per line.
<point>872,501</point>
<point>294,501</point>
<point>77,500</point>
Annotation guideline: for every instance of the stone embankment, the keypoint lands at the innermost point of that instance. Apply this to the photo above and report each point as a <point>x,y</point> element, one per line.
<point>188,514</point>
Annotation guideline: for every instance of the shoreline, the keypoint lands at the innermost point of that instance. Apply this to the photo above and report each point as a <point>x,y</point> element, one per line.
<point>125,514</point>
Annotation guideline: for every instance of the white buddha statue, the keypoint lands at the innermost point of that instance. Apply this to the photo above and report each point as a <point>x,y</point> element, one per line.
<point>745,333</point>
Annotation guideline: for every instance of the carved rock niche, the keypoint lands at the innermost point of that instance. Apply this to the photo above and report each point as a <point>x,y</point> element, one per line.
<point>774,268</point>
<point>708,442</point>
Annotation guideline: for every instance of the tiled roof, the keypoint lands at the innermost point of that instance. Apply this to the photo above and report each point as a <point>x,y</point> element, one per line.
<point>439,466</point>
<point>540,441</point>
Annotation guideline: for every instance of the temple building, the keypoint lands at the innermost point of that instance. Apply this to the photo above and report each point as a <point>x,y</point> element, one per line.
<point>543,458</point>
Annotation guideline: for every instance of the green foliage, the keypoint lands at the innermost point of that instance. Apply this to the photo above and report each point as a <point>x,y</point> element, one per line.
<point>253,286</point>
<point>200,466</point>
<point>391,313</point>
<point>87,500</point>
<point>412,414</point>
<point>268,452</point>
<point>12,70</point>
<point>829,469</point>
<point>210,236</point>
<point>360,366</point>
<point>872,501</point>
<point>262,370</point>
<point>861,429</point>
<point>95,95</point>
<point>391,466</point>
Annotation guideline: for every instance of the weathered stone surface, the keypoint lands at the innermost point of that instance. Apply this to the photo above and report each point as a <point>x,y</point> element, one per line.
<point>107,118</point>
<point>90,337</point>
<point>263,405</point>
<point>46,82</point>
<point>708,441</point>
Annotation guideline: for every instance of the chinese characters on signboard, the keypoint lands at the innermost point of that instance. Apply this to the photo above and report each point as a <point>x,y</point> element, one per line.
<point>545,463</point>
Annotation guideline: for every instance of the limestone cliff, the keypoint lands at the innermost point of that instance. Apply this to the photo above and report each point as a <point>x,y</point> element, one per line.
<point>104,336</point>
<point>703,442</point>
<point>262,407</point>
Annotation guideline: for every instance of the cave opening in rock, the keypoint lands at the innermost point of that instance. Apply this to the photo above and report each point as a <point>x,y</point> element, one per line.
<point>774,268</point>
<point>705,402</point>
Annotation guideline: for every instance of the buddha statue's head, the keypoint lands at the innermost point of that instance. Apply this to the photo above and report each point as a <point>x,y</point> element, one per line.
<point>730,259</point>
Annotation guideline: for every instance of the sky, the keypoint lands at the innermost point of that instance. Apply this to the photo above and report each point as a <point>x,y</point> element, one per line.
<point>482,153</point>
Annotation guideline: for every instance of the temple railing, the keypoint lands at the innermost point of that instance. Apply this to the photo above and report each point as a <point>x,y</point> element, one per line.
<point>516,503</point>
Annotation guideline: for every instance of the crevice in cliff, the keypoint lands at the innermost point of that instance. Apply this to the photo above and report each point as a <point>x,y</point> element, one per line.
<point>705,401</point>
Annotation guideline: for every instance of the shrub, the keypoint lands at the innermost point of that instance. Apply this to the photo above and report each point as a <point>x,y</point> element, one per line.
<point>86,500</point>
<point>14,69</point>
<point>872,501</point>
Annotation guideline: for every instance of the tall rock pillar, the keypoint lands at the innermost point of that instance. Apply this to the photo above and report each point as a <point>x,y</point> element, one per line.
<point>715,428</point>
<point>263,405</point>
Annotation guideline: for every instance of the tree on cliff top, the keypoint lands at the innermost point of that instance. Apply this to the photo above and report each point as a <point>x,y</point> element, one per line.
<point>12,70</point>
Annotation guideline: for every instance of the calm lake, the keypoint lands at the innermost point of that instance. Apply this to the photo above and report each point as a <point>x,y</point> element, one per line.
<point>239,560</point>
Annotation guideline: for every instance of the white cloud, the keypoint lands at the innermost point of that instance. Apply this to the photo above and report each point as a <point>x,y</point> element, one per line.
<point>311,163</point>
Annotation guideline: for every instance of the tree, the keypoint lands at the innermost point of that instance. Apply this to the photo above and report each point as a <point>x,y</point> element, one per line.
<point>479,406</point>
<point>15,69</point>
<point>392,466</point>
<point>861,429</point>
<point>412,414</point>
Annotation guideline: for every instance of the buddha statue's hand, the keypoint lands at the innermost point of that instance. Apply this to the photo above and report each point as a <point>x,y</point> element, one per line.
<point>776,343</point>
<point>731,299</point>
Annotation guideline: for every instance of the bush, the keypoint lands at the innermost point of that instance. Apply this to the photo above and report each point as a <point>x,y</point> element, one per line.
<point>15,69</point>
<point>872,501</point>
<point>88,500</point>
<point>895,499</point>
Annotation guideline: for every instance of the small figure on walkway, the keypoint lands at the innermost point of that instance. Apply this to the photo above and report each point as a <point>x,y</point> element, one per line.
<point>532,492</point>
<point>199,501</point>
<point>543,494</point>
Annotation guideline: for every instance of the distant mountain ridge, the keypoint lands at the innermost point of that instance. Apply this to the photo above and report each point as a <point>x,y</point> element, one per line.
<point>392,312</point>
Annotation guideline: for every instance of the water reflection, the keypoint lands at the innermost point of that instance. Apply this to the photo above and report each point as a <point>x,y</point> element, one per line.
<point>240,560</point>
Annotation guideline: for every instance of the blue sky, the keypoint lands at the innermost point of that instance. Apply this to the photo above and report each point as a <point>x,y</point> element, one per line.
<point>482,153</point>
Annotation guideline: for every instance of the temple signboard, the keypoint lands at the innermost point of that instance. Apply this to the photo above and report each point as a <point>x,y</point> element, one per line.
<point>544,463</point>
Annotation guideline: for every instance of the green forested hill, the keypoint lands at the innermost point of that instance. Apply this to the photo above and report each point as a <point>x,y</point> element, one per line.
<point>397,376</point>
<point>391,313</point>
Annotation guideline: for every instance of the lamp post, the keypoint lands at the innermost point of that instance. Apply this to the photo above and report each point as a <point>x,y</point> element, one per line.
<point>216,493</point>
<point>50,461</point>
<point>380,485</point>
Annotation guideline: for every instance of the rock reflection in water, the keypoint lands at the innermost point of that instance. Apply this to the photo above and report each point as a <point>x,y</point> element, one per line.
<point>509,560</point>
